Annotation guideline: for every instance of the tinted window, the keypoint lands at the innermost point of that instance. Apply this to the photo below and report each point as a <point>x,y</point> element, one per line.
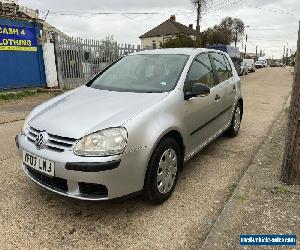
<point>228,66</point>
<point>142,73</point>
<point>201,71</point>
<point>221,68</point>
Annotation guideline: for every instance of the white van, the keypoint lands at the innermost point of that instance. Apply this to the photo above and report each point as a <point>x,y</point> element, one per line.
<point>250,63</point>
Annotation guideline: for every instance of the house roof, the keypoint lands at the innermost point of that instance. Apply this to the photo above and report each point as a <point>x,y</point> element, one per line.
<point>170,27</point>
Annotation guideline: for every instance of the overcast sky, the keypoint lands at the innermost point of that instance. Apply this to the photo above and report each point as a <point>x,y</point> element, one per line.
<point>273,23</point>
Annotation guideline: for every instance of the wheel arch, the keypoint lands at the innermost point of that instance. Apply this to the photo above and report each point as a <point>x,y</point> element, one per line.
<point>177,136</point>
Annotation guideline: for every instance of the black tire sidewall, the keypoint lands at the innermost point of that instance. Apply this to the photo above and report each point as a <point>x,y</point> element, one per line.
<point>231,132</point>
<point>150,187</point>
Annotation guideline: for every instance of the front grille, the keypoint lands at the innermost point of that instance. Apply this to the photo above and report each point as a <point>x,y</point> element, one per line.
<point>93,189</point>
<point>52,182</point>
<point>55,143</point>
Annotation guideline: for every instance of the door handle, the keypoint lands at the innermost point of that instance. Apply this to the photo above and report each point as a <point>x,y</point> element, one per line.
<point>234,87</point>
<point>217,98</point>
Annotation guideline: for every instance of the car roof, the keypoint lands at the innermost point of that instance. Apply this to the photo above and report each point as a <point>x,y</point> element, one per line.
<point>176,51</point>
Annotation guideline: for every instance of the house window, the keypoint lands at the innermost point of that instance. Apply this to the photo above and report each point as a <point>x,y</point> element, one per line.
<point>154,44</point>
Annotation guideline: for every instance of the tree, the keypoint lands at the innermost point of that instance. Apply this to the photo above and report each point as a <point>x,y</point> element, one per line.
<point>234,27</point>
<point>215,36</point>
<point>180,42</point>
<point>228,31</point>
<point>291,159</point>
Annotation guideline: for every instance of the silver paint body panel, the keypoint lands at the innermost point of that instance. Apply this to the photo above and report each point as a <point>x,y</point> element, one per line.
<point>148,117</point>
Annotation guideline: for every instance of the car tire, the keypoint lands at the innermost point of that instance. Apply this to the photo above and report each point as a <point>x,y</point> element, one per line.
<point>162,173</point>
<point>235,124</point>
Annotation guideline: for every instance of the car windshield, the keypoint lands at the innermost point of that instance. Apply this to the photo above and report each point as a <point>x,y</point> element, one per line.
<point>142,73</point>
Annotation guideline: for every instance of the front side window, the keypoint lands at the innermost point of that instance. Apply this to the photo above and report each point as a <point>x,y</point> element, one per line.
<point>142,73</point>
<point>220,65</point>
<point>201,71</point>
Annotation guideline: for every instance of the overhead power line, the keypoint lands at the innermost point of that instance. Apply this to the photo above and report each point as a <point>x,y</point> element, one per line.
<point>103,13</point>
<point>217,6</point>
<point>271,10</point>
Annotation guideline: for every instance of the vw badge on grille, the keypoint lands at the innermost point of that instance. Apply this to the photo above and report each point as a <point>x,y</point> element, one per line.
<point>41,140</point>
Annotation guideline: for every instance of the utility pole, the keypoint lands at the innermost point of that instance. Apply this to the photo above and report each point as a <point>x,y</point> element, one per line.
<point>256,51</point>
<point>283,54</point>
<point>236,37</point>
<point>291,159</point>
<point>245,50</point>
<point>198,19</point>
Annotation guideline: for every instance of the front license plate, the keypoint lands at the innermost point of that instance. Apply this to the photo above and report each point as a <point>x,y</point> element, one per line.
<point>40,164</point>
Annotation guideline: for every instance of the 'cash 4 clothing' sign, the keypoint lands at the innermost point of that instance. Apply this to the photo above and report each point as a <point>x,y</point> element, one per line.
<point>17,38</point>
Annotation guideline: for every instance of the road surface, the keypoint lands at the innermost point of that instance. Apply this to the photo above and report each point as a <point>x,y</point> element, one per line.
<point>34,218</point>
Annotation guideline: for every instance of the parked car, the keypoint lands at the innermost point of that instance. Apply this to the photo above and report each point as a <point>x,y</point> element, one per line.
<point>264,61</point>
<point>244,69</point>
<point>259,64</point>
<point>131,128</point>
<point>237,62</point>
<point>250,63</point>
<point>274,64</point>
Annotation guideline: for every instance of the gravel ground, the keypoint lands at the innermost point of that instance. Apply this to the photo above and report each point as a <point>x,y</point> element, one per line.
<point>34,218</point>
<point>261,204</point>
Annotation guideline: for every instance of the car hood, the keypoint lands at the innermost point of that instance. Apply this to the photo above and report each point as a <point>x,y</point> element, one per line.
<point>87,110</point>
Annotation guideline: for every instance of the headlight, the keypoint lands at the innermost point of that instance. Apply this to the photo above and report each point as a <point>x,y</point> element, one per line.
<point>25,127</point>
<point>106,142</point>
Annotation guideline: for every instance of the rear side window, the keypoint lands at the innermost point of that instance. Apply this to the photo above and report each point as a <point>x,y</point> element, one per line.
<point>221,68</point>
<point>229,68</point>
<point>201,71</point>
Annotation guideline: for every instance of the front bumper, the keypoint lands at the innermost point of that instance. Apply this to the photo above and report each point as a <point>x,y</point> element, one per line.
<point>89,178</point>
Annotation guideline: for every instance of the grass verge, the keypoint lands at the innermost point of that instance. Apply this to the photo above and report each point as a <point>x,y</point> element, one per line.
<point>11,96</point>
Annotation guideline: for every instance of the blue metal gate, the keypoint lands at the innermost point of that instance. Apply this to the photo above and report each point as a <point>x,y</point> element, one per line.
<point>21,57</point>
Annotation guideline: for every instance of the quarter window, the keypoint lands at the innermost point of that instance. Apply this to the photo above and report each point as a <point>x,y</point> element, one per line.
<point>201,71</point>
<point>221,67</point>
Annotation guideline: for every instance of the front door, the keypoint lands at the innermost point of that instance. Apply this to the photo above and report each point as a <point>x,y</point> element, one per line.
<point>201,111</point>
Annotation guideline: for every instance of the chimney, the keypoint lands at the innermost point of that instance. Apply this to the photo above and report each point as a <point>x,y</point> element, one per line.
<point>173,18</point>
<point>191,26</point>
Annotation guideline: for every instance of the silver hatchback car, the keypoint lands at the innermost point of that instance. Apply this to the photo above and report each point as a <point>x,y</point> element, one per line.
<point>132,127</point>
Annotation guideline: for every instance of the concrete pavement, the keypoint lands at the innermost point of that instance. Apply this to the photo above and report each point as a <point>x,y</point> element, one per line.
<point>34,218</point>
<point>261,203</point>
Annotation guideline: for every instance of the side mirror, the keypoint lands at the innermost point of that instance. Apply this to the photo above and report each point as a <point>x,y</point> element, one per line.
<point>197,89</point>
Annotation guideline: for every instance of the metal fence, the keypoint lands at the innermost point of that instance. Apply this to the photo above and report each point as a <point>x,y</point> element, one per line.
<point>79,60</point>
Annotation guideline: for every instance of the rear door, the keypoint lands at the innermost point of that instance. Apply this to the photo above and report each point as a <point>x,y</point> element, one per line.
<point>226,86</point>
